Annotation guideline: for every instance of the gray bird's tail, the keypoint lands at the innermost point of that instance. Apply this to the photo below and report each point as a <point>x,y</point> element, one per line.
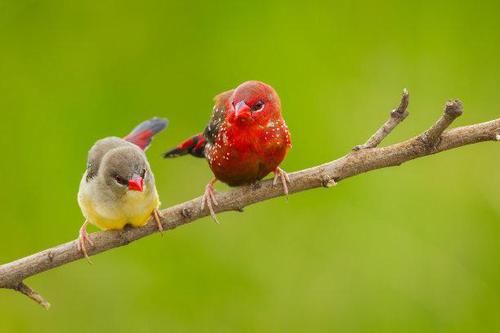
<point>143,134</point>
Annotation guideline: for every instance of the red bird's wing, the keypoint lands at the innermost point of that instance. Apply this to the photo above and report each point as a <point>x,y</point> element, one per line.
<point>222,103</point>
<point>195,145</point>
<point>144,132</point>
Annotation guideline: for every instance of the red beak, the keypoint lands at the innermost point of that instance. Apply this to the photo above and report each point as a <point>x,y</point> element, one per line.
<point>241,109</point>
<point>136,183</point>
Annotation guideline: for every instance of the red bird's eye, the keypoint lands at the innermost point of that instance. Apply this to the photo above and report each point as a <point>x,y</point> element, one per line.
<point>258,106</point>
<point>121,180</point>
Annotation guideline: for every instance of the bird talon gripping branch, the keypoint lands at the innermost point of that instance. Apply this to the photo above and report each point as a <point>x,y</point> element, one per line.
<point>157,217</point>
<point>82,238</point>
<point>285,180</point>
<point>245,140</point>
<point>209,200</point>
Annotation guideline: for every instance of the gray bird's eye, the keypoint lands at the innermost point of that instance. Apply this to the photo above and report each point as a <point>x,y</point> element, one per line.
<point>143,174</point>
<point>121,180</point>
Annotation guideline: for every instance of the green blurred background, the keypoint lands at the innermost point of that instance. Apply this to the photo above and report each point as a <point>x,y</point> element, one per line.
<point>408,249</point>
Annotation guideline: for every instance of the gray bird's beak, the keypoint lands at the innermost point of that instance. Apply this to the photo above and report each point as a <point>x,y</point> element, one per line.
<point>136,183</point>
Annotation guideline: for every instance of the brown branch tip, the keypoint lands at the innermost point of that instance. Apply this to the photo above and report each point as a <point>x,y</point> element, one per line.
<point>26,290</point>
<point>397,116</point>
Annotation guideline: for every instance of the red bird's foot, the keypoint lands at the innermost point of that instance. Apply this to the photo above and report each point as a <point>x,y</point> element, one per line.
<point>82,238</point>
<point>285,180</point>
<point>157,217</point>
<point>209,199</point>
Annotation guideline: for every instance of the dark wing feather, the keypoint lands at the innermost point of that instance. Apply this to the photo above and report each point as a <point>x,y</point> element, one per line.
<point>218,116</point>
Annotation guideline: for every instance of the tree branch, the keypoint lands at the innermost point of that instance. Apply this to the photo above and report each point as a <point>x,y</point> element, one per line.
<point>366,158</point>
<point>397,116</point>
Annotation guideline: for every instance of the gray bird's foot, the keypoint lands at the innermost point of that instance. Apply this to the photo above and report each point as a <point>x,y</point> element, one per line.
<point>157,217</point>
<point>285,180</point>
<point>209,199</point>
<point>82,238</point>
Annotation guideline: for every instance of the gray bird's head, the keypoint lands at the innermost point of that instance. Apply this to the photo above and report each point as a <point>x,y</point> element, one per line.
<point>126,169</point>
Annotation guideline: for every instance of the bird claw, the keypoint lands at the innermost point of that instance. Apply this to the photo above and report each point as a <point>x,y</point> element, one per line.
<point>209,200</point>
<point>285,179</point>
<point>82,238</point>
<point>157,217</point>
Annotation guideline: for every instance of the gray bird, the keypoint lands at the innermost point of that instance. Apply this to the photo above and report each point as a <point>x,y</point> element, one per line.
<point>118,187</point>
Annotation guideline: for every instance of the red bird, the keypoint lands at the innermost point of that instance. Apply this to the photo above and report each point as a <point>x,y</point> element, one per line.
<point>245,140</point>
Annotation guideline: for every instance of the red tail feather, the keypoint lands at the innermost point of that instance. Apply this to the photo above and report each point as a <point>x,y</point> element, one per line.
<point>143,134</point>
<point>194,146</point>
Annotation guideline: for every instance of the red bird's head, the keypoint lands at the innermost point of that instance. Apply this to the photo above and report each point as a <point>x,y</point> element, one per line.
<point>254,102</point>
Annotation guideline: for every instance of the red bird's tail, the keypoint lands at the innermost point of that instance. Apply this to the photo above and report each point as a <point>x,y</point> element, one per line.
<point>194,146</point>
<point>144,132</point>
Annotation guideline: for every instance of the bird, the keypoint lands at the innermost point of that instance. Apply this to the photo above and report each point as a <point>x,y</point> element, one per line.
<point>118,187</point>
<point>245,140</point>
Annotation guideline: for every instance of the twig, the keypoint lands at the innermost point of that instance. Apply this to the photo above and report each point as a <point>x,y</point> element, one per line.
<point>452,110</point>
<point>397,116</point>
<point>14,273</point>
<point>26,290</point>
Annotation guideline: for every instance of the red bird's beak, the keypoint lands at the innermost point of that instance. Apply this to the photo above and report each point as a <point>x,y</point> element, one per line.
<point>136,183</point>
<point>242,111</point>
